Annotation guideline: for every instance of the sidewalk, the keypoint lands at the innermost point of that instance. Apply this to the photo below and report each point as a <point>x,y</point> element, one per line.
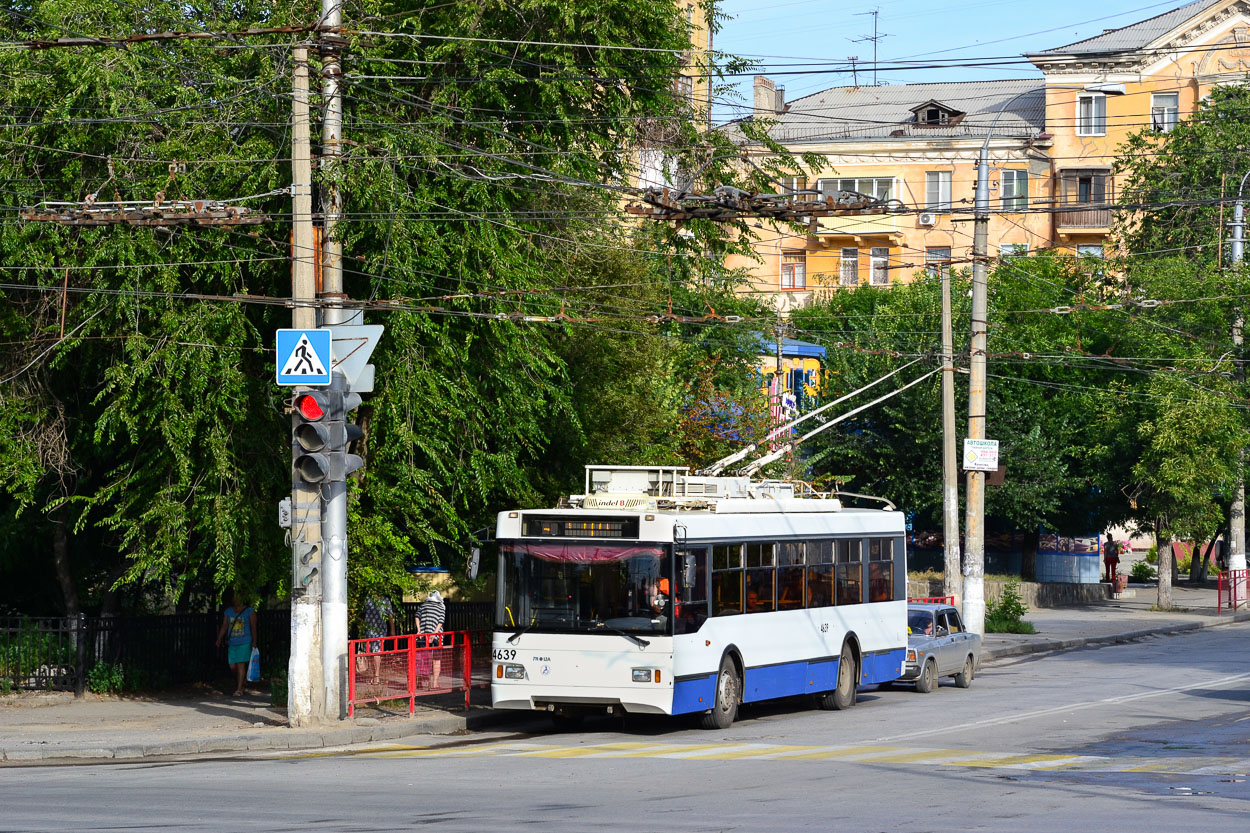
<point>38,727</point>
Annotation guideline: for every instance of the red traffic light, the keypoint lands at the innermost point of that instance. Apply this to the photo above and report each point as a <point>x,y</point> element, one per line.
<point>309,407</point>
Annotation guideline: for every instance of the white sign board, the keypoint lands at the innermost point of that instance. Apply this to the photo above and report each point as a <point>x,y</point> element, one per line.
<point>980,455</point>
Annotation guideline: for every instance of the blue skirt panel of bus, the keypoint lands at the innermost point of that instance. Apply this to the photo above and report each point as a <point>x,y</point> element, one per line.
<point>881,666</point>
<point>695,694</point>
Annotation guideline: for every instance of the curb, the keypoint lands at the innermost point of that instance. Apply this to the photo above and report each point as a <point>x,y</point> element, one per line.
<point>445,723</point>
<point>1051,645</point>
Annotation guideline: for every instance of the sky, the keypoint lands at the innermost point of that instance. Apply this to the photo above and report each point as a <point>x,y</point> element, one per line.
<point>803,45</point>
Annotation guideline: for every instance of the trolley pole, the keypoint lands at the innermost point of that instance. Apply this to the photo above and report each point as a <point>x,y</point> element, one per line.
<point>305,691</point>
<point>334,518</point>
<point>952,579</point>
<point>974,566</point>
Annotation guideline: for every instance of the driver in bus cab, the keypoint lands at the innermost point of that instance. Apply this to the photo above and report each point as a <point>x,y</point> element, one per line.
<point>658,596</point>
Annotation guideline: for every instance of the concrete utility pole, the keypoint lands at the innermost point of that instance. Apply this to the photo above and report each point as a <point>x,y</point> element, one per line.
<point>952,578</point>
<point>305,691</point>
<point>1237,512</point>
<point>974,565</point>
<point>334,519</point>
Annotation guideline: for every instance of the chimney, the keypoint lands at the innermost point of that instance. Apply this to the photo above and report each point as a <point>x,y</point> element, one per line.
<point>765,96</point>
<point>781,100</point>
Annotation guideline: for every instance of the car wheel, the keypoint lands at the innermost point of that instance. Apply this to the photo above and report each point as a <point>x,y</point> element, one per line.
<point>927,680</point>
<point>964,678</point>
<point>725,709</point>
<point>843,695</point>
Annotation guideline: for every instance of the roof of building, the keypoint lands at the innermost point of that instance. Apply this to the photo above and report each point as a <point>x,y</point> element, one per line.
<point>885,112</point>
<point>1136,35</point>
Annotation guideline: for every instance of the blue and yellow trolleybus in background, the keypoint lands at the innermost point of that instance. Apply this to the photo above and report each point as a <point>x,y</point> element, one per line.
<point>661,592</point>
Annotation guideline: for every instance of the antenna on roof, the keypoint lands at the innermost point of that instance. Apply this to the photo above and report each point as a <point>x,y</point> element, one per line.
<point>873,38</point>
<point>854,74</point>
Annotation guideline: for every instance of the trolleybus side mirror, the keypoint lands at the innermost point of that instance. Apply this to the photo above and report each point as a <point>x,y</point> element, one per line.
<point>687,571</point>
<point>475,558</point>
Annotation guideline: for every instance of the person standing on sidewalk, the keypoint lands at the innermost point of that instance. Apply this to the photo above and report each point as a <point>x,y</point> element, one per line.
<point>239,621</point>
<point>430,617</point>
<point>1111,558</point>
<point>379,622</point>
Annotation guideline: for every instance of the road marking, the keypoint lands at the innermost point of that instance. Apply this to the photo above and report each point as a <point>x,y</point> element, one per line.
<point>1071,707</point>
<point>884,755</point>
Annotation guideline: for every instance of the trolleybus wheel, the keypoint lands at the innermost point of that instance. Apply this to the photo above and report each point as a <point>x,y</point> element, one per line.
<point>725,708</point>
<point>843,695</point>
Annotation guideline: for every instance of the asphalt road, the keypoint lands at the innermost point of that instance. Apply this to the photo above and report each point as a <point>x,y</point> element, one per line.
<point>1147,736</point>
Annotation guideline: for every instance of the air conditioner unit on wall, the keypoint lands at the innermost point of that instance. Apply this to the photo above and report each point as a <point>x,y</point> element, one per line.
<point>927,218</point>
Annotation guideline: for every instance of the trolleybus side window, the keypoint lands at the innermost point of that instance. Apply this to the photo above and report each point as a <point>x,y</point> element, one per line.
<point>880,569</point>
<point>691,608</point>
<point>819,573</point>
<point>849,573</point>
<point>790,561</point>
<point>760,578</point>
<point>726,579</point>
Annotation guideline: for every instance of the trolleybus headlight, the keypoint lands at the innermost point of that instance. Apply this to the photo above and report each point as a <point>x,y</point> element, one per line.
<point>644,675</point>
<point>514,672</point>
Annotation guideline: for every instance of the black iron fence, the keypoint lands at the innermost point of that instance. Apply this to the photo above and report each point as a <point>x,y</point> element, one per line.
<point>153,652</point>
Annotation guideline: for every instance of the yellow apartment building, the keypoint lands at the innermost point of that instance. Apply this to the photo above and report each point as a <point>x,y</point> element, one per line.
<point>1051,145</point>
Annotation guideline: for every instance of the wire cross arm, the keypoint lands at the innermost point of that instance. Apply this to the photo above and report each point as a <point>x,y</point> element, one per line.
<point>727,203</point>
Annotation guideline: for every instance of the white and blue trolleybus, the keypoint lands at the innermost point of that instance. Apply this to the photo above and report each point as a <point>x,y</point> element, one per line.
<point>661,592</point>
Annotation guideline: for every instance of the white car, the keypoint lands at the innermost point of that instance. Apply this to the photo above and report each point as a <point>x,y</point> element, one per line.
<point>939,646</point>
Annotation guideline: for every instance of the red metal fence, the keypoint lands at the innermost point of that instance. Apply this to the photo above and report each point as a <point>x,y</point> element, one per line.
<point>416,665</point>
<point>937,600</point>
<point>1233,588</point>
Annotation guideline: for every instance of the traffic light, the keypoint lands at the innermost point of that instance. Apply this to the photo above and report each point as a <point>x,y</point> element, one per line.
<point>320,434</point>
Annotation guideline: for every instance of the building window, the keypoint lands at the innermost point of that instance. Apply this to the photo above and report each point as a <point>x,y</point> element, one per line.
<point>937,190</point>
<point>793,270</point>
<point>880,187</point>
<point>1089,250</point>
<point>879,265</point>
<point>1015,190</point>
<point>937,260</point>
<point>683,86</point>
<point>1084,187</point>
<point>790,186</point>
<point>850,267</point>
<point>1091,115</point>
<point>1013,249</point>
<point>1164,111</point>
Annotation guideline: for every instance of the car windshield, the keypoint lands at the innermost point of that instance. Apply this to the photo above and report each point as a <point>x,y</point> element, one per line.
<point>584,586</point>
<point>920,621</point>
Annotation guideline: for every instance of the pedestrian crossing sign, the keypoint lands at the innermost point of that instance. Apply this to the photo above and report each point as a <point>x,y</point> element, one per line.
<point>303,357</point>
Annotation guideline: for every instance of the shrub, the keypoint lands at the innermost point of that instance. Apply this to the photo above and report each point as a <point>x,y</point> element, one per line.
<point>1006,613</point>
<point>1152,554</point>
<point>1142,572</point>
<point>277,689</point>
<point>106,678</point>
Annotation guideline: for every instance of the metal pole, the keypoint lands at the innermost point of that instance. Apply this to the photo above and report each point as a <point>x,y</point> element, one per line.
<point>1237,511</point>
<point>305,692</point>
<point>952,580</point>
<point>334,494</point>
<point>974,564</point>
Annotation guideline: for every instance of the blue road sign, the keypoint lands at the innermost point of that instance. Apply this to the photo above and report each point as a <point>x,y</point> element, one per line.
<point>303,357</point>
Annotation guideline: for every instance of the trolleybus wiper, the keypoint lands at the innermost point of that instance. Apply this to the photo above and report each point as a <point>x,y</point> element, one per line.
<point>637,640</point>
<point>520,631</point>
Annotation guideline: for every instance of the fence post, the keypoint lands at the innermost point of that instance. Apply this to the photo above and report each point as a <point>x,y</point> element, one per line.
<point>80,655</point>
<point>351,678</point>
<point>468,669</point>
<point>412,673</point>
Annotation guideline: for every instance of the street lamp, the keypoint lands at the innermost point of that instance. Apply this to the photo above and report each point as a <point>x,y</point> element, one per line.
<point>974,562</point>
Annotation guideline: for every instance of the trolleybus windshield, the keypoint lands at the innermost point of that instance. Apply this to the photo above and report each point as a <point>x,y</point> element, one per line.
<point>584,587</point>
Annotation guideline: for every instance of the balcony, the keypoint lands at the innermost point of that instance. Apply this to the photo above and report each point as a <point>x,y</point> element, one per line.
<point>1092,219</point>
<point>861,226</point>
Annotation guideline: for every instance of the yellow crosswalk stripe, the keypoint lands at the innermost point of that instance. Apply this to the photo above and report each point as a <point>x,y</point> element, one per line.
<point>583,751</point>
<point>868,754</point>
